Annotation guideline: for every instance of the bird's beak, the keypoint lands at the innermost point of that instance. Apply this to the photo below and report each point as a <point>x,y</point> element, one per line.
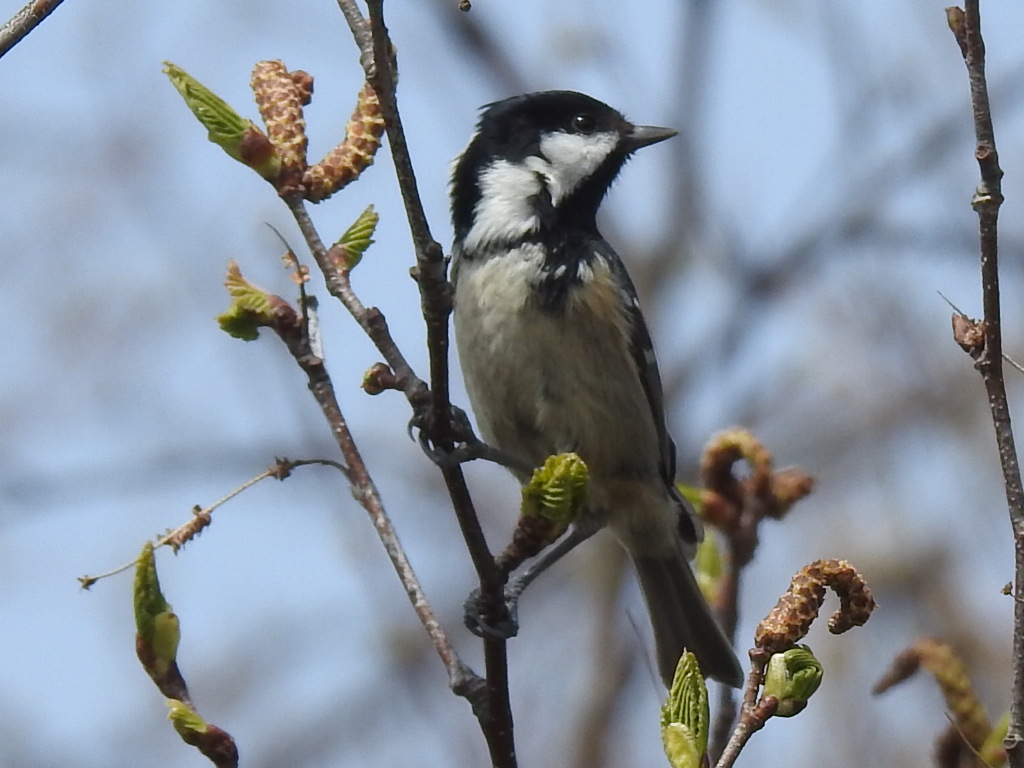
<point>645,135</point>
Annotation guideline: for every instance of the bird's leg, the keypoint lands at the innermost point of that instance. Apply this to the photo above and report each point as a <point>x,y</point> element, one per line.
<point>507,624</point>
<point>467,445</point>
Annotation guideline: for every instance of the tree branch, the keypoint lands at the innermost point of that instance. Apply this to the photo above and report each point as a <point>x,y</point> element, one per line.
<point>753,713</point>
<point>430,273</point>
<point>987,352</point>
<point>300,343</point>
<point>17,28</point>
<point>370,319</point>
<point>430,269</point>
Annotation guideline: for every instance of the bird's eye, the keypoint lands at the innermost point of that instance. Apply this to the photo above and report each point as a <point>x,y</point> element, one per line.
<point>583,124</point>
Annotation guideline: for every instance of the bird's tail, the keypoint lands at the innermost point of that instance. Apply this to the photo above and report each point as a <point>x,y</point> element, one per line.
<point>682,620</point>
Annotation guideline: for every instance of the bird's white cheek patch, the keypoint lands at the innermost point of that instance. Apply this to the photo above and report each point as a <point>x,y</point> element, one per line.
<point>571,158</point>
<point>504,213</point>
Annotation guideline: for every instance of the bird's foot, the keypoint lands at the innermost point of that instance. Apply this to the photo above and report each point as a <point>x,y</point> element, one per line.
<point>459,446</point>
<point>502,626</point>
<point>466,446</point>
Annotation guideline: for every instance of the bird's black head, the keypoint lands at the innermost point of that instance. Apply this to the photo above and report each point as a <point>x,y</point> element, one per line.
<point>540,161</point>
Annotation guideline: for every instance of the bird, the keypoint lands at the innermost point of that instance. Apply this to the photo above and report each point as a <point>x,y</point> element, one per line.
<point>556,355</point>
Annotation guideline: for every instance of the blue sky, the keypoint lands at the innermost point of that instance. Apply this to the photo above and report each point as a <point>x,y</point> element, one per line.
<point>124,405</point>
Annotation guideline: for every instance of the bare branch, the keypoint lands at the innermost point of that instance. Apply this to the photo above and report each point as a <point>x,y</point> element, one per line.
<point>24,21</point>
<point>370,319</point>
<point>461,679</point>
<point>360,28</point>
<point>436,304</point>
<point>753,714</point>
<point>966,26</point>
<point>435,419</point>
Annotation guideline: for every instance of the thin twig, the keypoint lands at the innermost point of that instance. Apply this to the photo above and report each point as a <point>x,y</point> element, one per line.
<point>436,421</point>
<point>416,391</point>
<point>741,543</point>
<point>430,269</point>
<point>753,713</point>
<point>364,490</point>
<point>201,515</point>
<point>17,28</point>
<point>370,319</point>
<point>360,29</point>
<point>966,26</point>
<point>737,507</point>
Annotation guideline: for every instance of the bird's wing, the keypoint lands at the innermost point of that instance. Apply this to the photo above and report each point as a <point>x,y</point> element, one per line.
<point>690,528</point>
<point>646,366</point>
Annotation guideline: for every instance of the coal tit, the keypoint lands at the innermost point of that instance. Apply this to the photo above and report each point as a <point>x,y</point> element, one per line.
<point>555,352</point>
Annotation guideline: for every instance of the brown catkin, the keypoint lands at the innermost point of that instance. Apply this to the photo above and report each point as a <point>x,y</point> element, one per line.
<point>791,617</point>
<point>345,162</point>
<point>280,96</point>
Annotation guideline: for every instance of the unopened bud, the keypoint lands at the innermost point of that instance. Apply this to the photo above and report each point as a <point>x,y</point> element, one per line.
<point>792,677</point>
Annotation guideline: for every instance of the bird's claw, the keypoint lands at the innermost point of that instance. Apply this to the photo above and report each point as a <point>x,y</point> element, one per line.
<point>460,429</point>
<point>502,627</point>
<point>467,446</point>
